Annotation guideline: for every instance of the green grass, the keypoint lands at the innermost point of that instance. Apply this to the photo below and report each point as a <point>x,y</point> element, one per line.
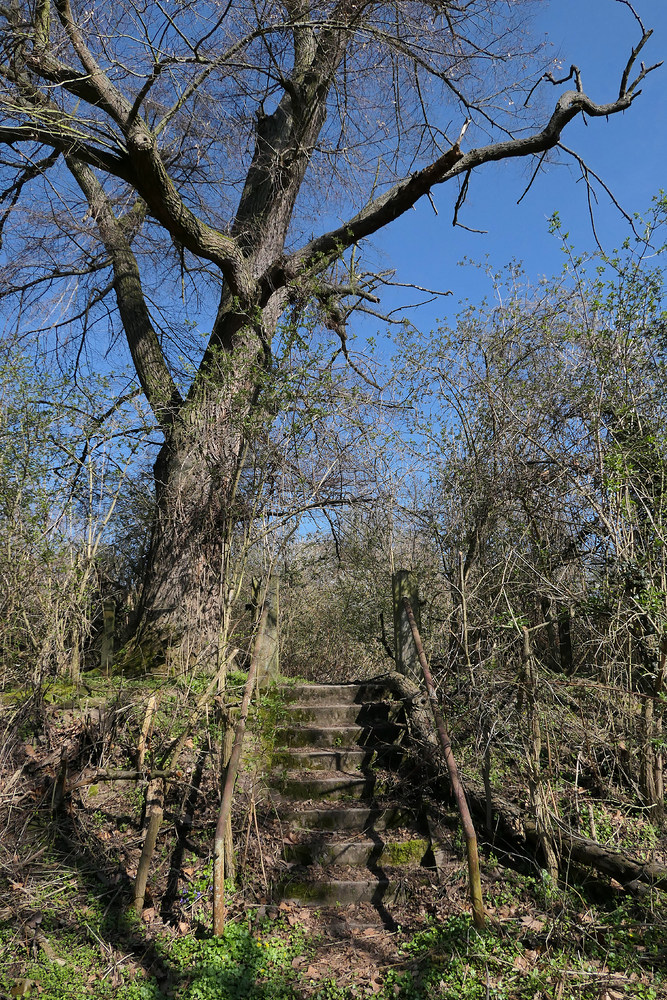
<point>449,960</point>
<point>574,949</point>
<point>247,961</point>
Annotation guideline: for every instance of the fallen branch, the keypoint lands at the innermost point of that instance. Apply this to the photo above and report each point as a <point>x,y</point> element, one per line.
<point>111,775</point>
<point>514,822</point>
<point>585,851</point>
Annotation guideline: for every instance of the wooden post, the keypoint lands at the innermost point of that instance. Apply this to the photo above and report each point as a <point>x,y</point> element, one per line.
<point>651,759</point>
<point>536,788</point>
<point>106,657</point>
<point>478,915</point>
<point>75,659</point>
<point>268,650</point>
<point>565,640</point>
<point>227,747</point>
<point>404,586</point>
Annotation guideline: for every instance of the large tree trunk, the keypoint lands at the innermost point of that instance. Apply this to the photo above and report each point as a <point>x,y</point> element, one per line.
<point>182,587</point>
<point>197,471</point>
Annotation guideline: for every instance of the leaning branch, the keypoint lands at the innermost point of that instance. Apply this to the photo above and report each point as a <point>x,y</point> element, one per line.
<point>120,775</point>
<point>514,822</point>
<point>156,380</point>
<point>45,65</point>
<point>64,140</point>
<point>219,911</point>
<point>156,187</point>
<point>377,214</point>
<point>319,253</point>
<point>109,97</point>
<point>457,787</point>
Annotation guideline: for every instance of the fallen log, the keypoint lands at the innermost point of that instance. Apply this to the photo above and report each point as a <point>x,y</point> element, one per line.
<point>120,775</point>
<point>514,822</point>
<point>573,846</point>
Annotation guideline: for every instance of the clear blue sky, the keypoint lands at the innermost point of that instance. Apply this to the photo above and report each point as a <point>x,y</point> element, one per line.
<point>629,151</point>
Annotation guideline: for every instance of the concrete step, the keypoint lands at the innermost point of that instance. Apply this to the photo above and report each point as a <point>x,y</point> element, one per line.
<point>320,714</point>
<point>344,759</point>
<point>333,737</point>
<point>336,694</point>
<point>337,785</point>
<point>342,892</point>
<point>368,853</point>
<point>357,818</point>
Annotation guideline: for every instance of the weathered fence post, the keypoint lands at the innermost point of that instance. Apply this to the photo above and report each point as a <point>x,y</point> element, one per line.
<point>106,656</point>
<point>469,834</point>
<point>537,791</point>
<point>404,585</point>
<point>268,653</point>
<point>75,660</point>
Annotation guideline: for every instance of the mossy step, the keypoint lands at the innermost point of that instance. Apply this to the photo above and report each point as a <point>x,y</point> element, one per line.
<point>332,786</point>
<point>354,758</point>
<point>343,892</point>
<point>333,737</point>
<point>369,853</point>
<point>357,818</point>
<point>340,715</point>
<point>335,694</point>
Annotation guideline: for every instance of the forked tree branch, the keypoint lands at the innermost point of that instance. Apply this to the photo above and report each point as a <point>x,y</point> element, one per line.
<point>321,251</point>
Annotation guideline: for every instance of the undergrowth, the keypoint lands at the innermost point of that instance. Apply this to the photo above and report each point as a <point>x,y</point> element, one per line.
<point>576,952</point>
<point>65,879</point>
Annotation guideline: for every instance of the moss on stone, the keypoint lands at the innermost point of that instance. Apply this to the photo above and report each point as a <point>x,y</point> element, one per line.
<point>306,892</point>
<point>407,852</point>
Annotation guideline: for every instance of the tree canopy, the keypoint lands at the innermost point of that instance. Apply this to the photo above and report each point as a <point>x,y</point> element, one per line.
<point>227,160</point>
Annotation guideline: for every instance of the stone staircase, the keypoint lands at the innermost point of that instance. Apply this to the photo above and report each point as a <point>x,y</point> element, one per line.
<point>341,788</point>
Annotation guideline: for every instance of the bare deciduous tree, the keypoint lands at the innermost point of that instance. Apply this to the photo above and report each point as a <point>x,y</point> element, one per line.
<point>196,153</point>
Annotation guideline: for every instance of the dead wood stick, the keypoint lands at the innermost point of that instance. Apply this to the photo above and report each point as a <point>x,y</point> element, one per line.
<point>108,775</point>
<point>156,794</point>
<point>478,915</point>
<point>230,780</point>
<point>145,730</point>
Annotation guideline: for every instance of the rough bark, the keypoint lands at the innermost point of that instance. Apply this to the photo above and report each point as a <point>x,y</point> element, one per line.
<point>194,478</point>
